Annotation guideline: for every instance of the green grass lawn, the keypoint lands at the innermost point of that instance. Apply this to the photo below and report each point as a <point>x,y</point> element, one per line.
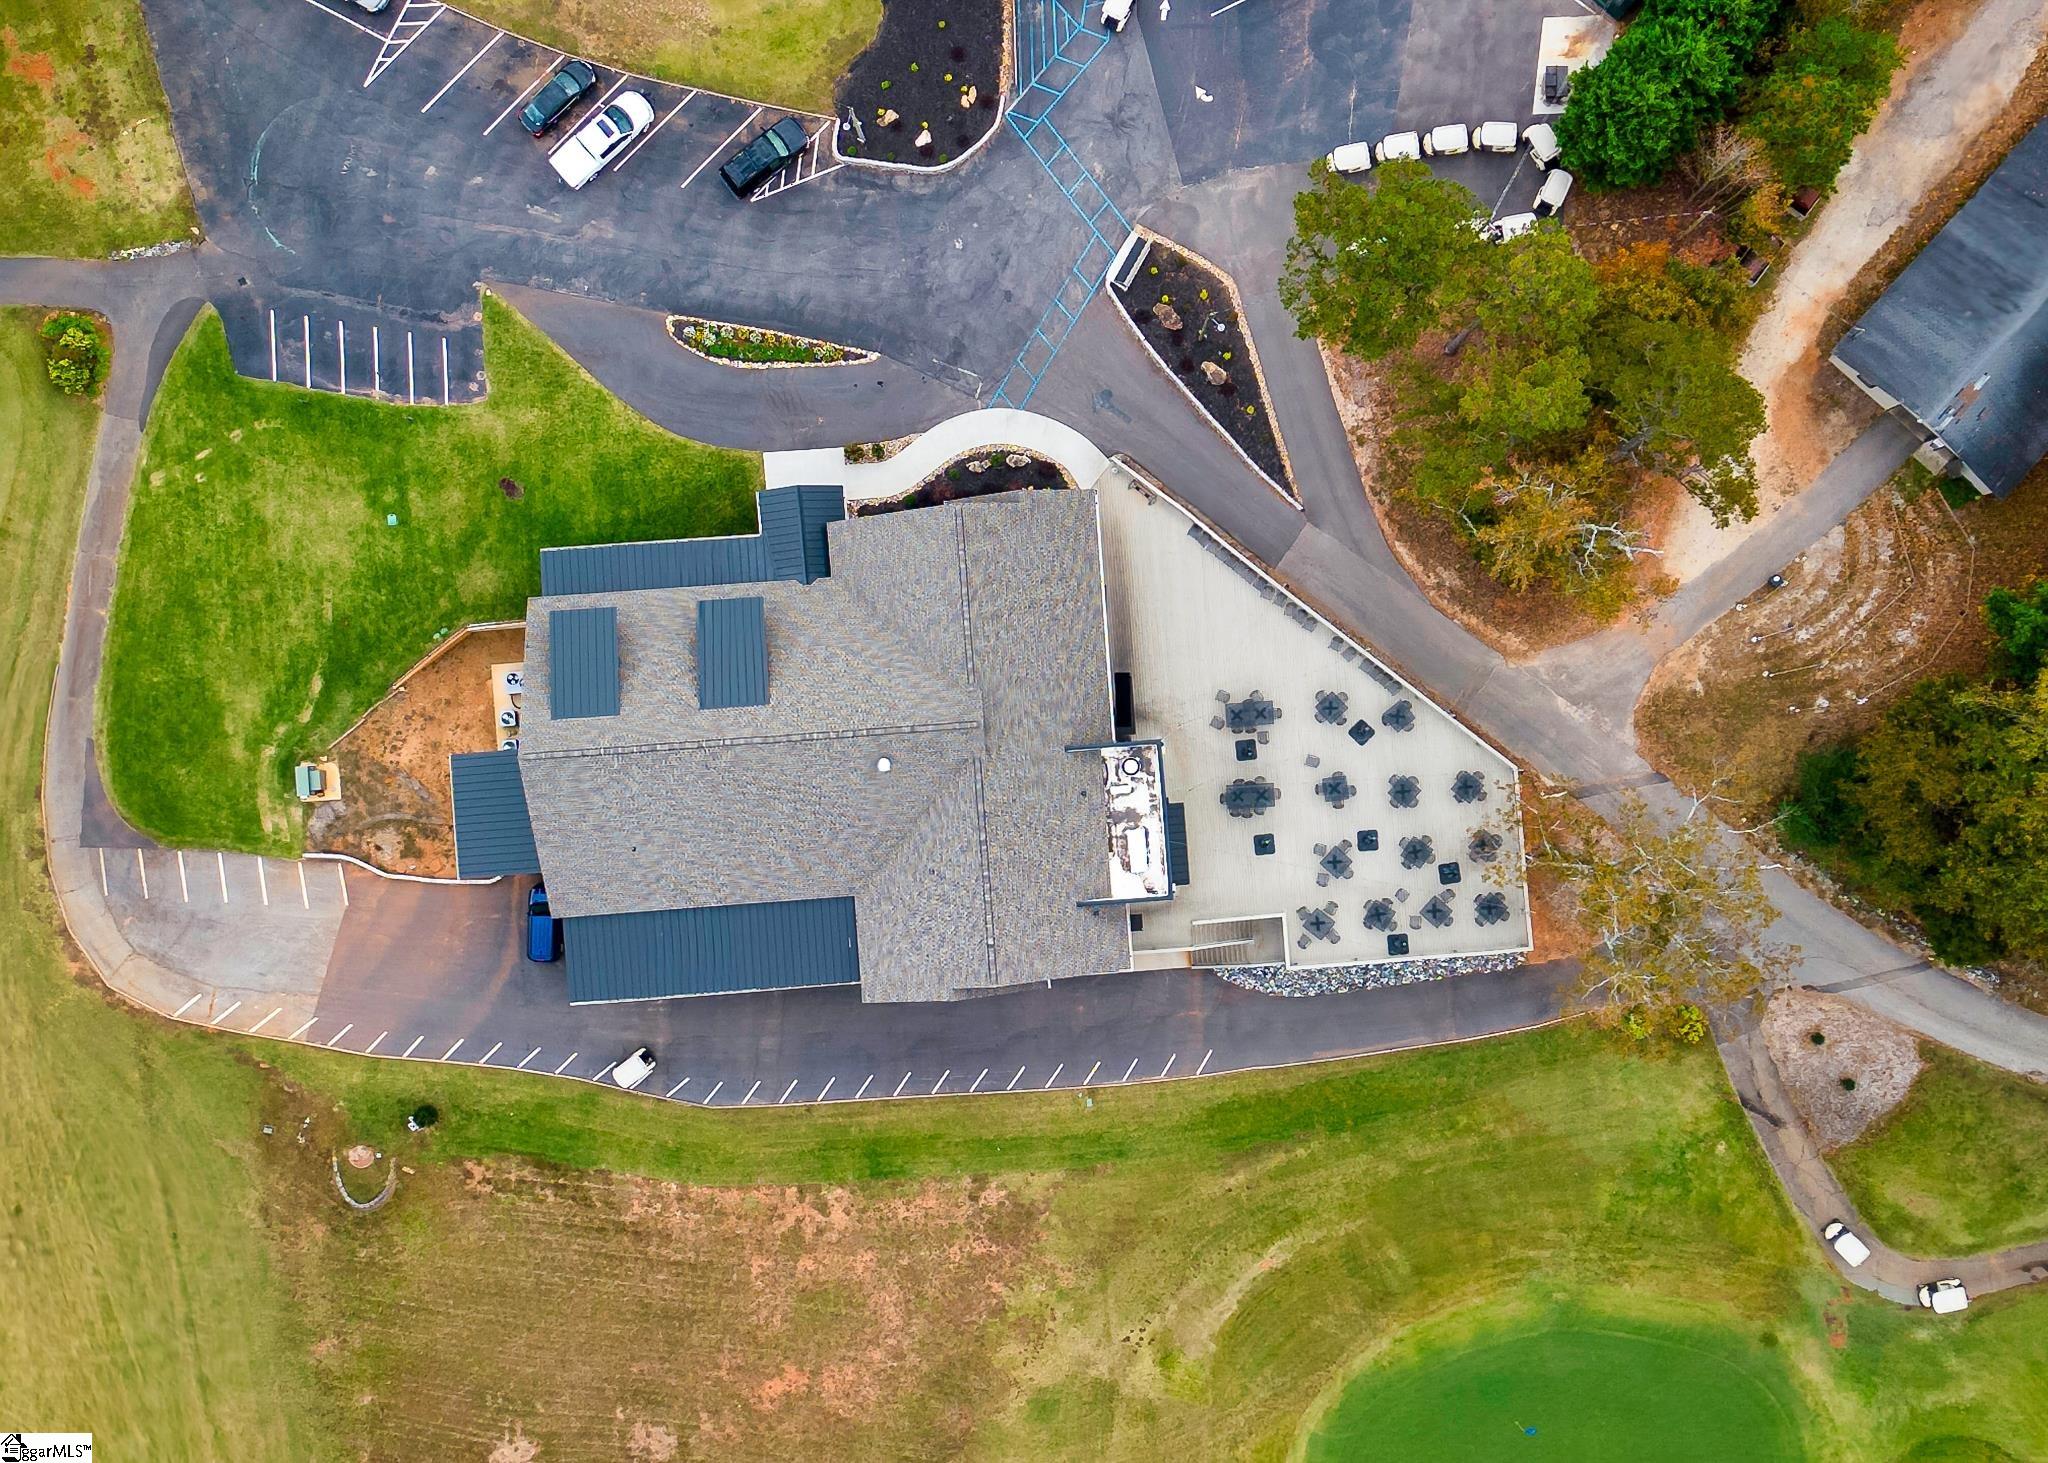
<point>264,602</point>
<point>789,52</point>
<point>89,165</point>
<point>1960,1167</point>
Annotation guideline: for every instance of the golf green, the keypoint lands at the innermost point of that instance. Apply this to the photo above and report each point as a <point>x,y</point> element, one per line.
<point>1566,1391</point>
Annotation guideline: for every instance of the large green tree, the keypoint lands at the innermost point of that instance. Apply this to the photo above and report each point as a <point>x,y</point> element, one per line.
<point>2018,620</point>
<point>1680,408</point>
<point>1820,93</point>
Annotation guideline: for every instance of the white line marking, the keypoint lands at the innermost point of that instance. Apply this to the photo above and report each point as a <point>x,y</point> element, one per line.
<point>105,892</point>
<point>415,1044</point>
<point>274,1014</point>
<point>222,860</point>
<point>341,352</point>
<point>648,137</point>
<point>570,129</point>
<point>978,1080</point>
<point>351,1026</point>
<point>187,1006</point>
<point>565,1062</point>
<point>341,874</point>
<point>531,87</point>
<point>863,1088</point>
<point>1231,6</point>
<point>826,1088</point>
<point>785,1092</point>
<point>142,869</point>
<point>603,1072</point>
<point>1055,1076</point>
<point>1205,1061</point>
<point>901,1085</point>
<point>1091,1074</point>
<point>227,1013</point>
<point>942,1081</point>
<point>410,398</point>
<point>373,35</point>
<point>677,1088</point>
<point>262,881</point>
<point>444,370</point>
<point>713,1092</point>
<point>1130,1069</point>
<point>306,343</point>
<point>462,73</point>
<point>1169,1064</point>
<point>451,1050</point>
<point>720,148</point>
<point>375,1042</point>
<point>529,1057</point>
<point>184,888</point>
<point>305,899</point>
<point>376,368</point>
<point>750,1093</point>
<point>387,57</point>
<point>273,323</point>
<point>485,1059</point>
<point>1014,1080</point>
<point>301,1031</point>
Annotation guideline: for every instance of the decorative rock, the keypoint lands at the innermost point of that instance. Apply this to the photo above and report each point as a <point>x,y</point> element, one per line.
<point>969,97</point>
<point>1214,374</point>
<point>889,117</point>
<point>1282,980</point>
<point>924,137</point>
<point>1166,315</point>
<point>978,465</point>
<point>1017,459</point>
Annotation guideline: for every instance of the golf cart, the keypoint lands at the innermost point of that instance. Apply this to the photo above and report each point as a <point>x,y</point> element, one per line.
<point>1116,14</point>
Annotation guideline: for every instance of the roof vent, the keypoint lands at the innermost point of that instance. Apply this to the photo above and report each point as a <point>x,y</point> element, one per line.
<point>883,764</point>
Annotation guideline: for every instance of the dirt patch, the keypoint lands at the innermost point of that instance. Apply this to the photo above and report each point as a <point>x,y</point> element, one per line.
<point>934,70</point>
<point>1879,1059</point>
<point>1669,213</point>
<point>396,809</point>
<point>34,67</point>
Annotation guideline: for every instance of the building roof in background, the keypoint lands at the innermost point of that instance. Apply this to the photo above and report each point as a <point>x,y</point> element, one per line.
<point>791,945</point>
<point>962,644</point>
<point>493,834</point>
<point>1961,336</point>
<point>790,544</point>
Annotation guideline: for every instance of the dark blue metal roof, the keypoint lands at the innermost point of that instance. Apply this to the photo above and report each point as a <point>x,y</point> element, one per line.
<point>1177,845</point>
<point>786,945</point>
<point>791,544</point>
<point>583,662</point>
<point>493,834</point>
<point>732,653</point>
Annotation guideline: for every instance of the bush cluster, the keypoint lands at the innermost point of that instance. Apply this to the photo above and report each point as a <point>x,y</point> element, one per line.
<point>75,353</point>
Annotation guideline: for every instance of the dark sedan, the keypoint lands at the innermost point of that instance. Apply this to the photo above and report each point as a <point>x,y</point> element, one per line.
<point>764,157</point>
<point>576,80</point>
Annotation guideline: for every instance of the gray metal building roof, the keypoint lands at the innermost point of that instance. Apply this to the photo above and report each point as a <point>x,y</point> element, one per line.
<point>583,662</point>
<point>788,945</point>
<point>1960,338</point>
<point>732,653</point>
<point>493,834</point>
<point>791,544</point>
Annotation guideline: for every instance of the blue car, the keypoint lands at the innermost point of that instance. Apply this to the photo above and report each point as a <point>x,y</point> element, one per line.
<point>543,930</point>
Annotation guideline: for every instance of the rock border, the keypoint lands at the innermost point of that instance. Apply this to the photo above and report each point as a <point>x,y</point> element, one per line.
<point>855,356</point>
<point>1329,980</point>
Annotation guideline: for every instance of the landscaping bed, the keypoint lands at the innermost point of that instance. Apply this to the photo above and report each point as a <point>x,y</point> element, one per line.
<point>985,470</point>
<point>930,86</point>
<point>743,345</point>
<point>1188,316</point>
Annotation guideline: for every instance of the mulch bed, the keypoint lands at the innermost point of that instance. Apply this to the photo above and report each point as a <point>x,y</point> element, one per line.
<point>928,57</point>
<point>998,473</point>
<point>1184,311</point>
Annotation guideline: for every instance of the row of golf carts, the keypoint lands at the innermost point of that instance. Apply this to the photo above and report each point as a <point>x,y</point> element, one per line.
<point>1454,138</point>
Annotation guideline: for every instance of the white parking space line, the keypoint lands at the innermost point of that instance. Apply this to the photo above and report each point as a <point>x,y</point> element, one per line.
<point>302,1030</point>
<point>227,1013</point>
<point>222,860</point>
<point>485,1059</point>
<point>785,1092</point>
<point>804,169</point>
<point>410,399</point>
<point>1169,1064</point>
<point>603,1072</point>
<point>901,1085</point>
<point>750,1093</point>
<point>979,1080</point>
<point>1055,1076</point>
<point>444,370</point>
<point>306,344</point>
<point>376,370</point>
<point>569,129</point>
<point>1016,1079</point>
<point>275,1012</point>
<point>346,20</point>
<point>1130,1069</point>
<point>375,1042</point>
<point>531,87</point>
<point>187,1006</point>
<point>393,46</point>
<point>677,1088</point>
<point>413,1047</point>
<point>341,352</point>
<point>262,881</point>
<point>1205,1061</point>
<point>460,74</point>
<point>527,1058</point>
<point>713,1092</point>
<point>649,137</point>
<point>942,1081</point>
<point>273,337</point>
<point>1231,6</point>
<point>341,1033</point>
<point>450,1053</point>
<point>305,899</point>
<point>105,892</point>
<point>341,874</point>
<point>863,1088</point>
<point>565,1063</point>
<point>142,869</point>
<point>184,887</point>
<point>825,1091</point>
<point>716,151</point>
<point>1091,1074</point>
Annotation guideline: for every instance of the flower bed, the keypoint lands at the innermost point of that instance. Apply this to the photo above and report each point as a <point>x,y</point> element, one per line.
<point>930,86</point>
<point>1188,315</point>
<point>743,345</point>
<point>983,471</point>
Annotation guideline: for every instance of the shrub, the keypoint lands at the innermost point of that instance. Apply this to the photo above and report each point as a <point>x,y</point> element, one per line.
<point>75,353</point>
<point>1689,1024</point>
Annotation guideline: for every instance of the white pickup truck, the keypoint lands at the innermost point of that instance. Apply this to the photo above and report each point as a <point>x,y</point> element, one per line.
<point>601,139</point>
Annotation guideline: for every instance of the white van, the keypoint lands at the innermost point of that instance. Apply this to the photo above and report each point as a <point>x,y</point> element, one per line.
<point>1399,144</point>
<point>1448,140</point>
<point>1542,140</point>
<point>1557,186</point>
<point>1846,1243</point>
<point>1494,136</point>
<point>635,1069</point>
<point>1944,1297</point>
<point>1352,157</point>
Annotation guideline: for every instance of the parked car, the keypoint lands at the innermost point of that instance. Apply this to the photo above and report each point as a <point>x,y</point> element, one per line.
<point>1447,141</point>
<point>1116,14</point>
<point>576,80</point>
<point>1944,1297</point>
<point>1495,137</point>
<point>543,930</point>
<point>764,157</point>
<point>375,7</point>
<point>1500,230</point>
<point>1542,140</point>
<point>634,1070</point>
<point>1557,186</point>
<point>1400,144</point>
<point>1352,157</point>
<point>1846,1244</point>
<point>602,138</point>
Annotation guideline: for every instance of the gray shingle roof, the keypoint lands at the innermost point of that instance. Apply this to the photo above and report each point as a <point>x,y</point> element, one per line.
<point>963,643</point>
<point>791,945</point>
<point>1961,336</point>
<point>493,834</point>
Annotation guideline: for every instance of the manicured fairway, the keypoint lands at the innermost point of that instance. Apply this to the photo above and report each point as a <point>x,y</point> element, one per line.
<point>1565,1391</point>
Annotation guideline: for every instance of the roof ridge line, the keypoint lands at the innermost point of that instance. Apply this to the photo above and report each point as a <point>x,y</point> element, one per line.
<point>841,734</point>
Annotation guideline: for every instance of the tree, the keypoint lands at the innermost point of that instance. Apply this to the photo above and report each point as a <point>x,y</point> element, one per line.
<point>1825,86</point>
<point>1681,407</point>
<point>1677,906</point>
<point>2019,625</point>
<point>1370,269</point>
<point>1539,294</point>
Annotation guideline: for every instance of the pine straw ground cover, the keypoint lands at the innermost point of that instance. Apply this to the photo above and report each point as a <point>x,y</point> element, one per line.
<point>934,66</point>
